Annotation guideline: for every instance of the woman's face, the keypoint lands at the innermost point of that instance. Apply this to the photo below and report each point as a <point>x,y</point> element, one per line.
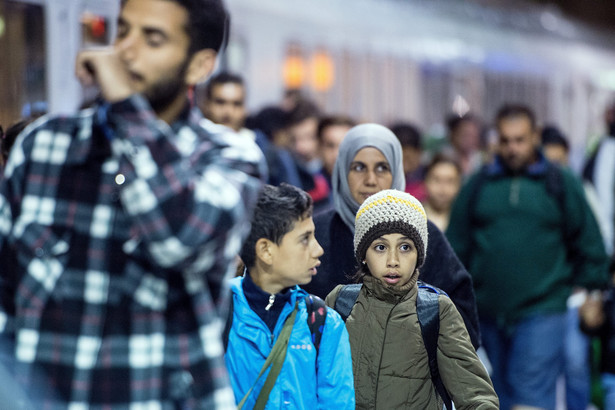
<point>369,173</point>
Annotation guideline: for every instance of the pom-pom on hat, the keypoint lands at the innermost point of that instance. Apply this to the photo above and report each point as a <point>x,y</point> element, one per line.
<point>390,211</point>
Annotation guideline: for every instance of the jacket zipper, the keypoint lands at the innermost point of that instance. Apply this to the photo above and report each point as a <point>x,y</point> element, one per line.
<point>271,300</point>
<point>386,326</point>
<point>515,187</point>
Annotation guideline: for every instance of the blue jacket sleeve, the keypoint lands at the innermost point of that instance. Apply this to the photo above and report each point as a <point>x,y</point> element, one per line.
<point>335,379</point>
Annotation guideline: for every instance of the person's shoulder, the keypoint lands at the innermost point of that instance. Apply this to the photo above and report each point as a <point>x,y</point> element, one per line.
<point>235,284</point>
<point>64,128</point>
<point>447,307</point>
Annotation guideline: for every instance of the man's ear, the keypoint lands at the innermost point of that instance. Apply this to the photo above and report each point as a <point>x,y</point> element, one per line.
<point>201,65</point>
<point>265,250</point>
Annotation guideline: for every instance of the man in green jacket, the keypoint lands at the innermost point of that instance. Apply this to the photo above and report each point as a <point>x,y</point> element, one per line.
<point>523,229</point>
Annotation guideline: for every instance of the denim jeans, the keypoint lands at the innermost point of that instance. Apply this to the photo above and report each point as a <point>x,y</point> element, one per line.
<point>577,369</point>
<point>526,359</point>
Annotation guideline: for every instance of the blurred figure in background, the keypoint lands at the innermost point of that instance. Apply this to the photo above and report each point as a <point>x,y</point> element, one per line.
<point>331,132</point>
<point>222,100</point>
<point>409,137</point>
<point>464,135</point>
<point>303,132</point>
<point>555,146</point>
<point>515,225</point>
<point>302,129</point>
<point>600,172</point>
<point>577,345</point>
<point>442,184</point>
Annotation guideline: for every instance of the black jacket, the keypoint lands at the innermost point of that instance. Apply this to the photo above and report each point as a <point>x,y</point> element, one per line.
<point>442,268</point>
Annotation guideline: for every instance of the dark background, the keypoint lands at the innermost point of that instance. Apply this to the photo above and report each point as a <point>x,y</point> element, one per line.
<point>598,13</point>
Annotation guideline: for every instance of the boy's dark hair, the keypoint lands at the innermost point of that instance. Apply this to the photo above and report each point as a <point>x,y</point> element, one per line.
<point>509,111</point>
<point>551,135</point>
<point>407,134</point>
<point>220,79</point>
<point>208,23</point>
<point>441,158</point>
<point>277,210</point>
<point>333,120</point>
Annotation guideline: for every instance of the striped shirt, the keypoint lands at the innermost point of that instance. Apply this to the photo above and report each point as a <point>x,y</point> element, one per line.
<point>116,237</point>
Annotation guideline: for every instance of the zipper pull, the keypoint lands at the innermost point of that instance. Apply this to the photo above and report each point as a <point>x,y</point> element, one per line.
<point>271,300</point>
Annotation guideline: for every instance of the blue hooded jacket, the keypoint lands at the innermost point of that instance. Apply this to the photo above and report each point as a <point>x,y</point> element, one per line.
<point>305,381</point>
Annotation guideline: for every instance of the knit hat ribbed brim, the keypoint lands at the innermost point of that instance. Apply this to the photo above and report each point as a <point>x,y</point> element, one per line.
<point>390,211</point>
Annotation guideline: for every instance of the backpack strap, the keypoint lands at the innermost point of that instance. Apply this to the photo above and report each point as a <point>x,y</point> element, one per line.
<point>346,299</point>
<point>428,312</point>
<point>316,316</point>
<point>228,323</point>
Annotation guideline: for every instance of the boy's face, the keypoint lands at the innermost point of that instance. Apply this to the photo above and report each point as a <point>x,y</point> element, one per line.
<point>392,259</point>
<point>295,259</point>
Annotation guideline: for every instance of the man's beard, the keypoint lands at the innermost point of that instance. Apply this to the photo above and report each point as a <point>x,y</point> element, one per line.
<point>165,92</point>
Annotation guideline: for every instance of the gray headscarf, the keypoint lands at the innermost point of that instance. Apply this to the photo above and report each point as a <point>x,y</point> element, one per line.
<point>357,138</point>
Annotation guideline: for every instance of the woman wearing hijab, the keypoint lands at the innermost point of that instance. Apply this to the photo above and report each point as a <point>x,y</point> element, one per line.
<point>370,160</point>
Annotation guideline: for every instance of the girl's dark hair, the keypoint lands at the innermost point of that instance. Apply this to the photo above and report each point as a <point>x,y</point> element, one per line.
<point>277,210</point>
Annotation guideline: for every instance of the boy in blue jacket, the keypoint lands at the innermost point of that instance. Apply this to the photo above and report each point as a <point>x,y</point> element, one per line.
<point>281,253</point>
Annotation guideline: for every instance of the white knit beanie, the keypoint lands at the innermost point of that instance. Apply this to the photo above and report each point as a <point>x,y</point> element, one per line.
<point>390,211</point>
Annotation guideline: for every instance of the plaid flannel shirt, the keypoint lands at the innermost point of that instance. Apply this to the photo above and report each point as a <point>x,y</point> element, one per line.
<point>116,238</point>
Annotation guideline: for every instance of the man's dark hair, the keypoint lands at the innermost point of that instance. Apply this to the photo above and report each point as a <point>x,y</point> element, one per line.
<point>277,210</point>
<point>453,121</point>
<point>407,134</point>
<point>333,120</point>
<point>551,135</point>
<point>220,79</point>
<point>269,120</point>
<point>509,111</point>
<point>303,110</point>
<point>208,24</point>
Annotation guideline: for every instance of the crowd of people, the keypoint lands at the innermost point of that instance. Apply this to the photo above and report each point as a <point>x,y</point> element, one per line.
<point>165,248</point>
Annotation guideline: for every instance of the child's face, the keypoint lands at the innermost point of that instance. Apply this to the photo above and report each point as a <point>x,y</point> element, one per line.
<point>392,259</point>
<point>442,184</point>
<point>295,259</point>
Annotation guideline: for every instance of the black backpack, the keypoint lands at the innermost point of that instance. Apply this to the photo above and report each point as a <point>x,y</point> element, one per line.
<point>316,315</point>
<point>428,312</point>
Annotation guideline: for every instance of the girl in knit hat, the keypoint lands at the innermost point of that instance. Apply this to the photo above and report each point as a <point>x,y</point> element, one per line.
<point>390,360</point>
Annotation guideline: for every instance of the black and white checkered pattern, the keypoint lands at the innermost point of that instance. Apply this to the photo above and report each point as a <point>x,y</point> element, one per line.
<point>113,256</point>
